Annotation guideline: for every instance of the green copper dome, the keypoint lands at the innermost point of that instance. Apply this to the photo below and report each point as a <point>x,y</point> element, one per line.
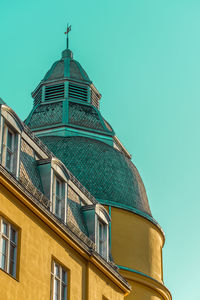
<point>67,67</point>
<point>67,119</point>
<point>107,173</point>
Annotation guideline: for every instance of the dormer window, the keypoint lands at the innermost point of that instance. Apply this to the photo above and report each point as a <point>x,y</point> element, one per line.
<point>10,149</point>
<point>54,179</point>
<point>58,199</point>
<point>102,238</point>
<point>58,187</point>
<point>97,220</point>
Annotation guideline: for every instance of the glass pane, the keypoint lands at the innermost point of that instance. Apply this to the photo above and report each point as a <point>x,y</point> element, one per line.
<point>3,262</point>
<point>9,140</point>
<point>57,270</point>
<point>101,248</point>
<point>100,231</point>
<point>58,206</point>
<point>62,210</point>
<point>12,268</point>
<point>64,276</point>
<point>8,160</point>
<point>4,246</point>
<point>12,252</point>
<point>56,289</point>
<point>5,228</point>
<point>13,235</point>
<point>57,188</point>
<point>64,292</point>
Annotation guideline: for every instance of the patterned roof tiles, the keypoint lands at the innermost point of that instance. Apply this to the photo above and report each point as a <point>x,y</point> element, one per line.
<point>105,172</point>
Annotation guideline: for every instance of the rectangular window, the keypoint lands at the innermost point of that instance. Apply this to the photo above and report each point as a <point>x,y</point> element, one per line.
<point>58,282</point>
<point>102,240</point>
<point>10,149</point>
<point>8,247</point>
<point>59,195</point>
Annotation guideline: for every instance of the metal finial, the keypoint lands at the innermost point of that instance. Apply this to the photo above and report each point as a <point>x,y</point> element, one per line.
<point>66,32</point>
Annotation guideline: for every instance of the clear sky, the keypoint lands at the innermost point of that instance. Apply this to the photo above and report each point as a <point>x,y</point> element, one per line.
<point>144,57</point>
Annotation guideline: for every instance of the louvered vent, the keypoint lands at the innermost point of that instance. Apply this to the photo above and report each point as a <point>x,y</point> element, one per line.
<point>78,92</point>
<point>54,92</point>
<point>38,97</point>
<point>94,99</point>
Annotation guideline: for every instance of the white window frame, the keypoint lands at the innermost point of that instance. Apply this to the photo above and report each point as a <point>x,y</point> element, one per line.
<point>9,150</point>
<point>102,221</point>
<point>15,146</point>
<point>57,277</point>
<point>58,190</point>
<point>9,243</point>
<point>102,238</point>
<point>61,197</point>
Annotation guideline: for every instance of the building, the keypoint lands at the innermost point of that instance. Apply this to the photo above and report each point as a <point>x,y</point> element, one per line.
<point>73,203</point>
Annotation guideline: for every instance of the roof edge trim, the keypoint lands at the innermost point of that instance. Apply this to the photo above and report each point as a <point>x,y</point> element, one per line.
<point>13,115</point>
<point>152,282</point>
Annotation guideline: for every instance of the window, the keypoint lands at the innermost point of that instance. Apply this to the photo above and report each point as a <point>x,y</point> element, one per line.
<point>102,238</point>
<point>59,202</point>
<point>58,282</point>
<point>58,196</point>
<point>8,247</point>
<point>10,150</point>
<point>97,220</point>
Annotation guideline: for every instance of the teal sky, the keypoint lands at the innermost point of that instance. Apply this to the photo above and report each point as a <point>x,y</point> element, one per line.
<point>144,57</point>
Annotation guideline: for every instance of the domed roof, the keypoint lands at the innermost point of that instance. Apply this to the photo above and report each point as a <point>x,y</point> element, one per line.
<point>104,171</point>
<point>67,67</point>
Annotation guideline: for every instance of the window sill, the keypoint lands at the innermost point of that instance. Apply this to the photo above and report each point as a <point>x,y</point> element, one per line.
<point>16,279</point>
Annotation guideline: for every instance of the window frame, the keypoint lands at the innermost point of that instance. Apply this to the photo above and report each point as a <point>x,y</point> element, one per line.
<point>103,219</point>
<point>57,188</point>
<point>14,150</point>
<point>102,241</point>
<point>9,242</point>
<point>9,150</point>
<point>62,197</point>
<point>59,278</point>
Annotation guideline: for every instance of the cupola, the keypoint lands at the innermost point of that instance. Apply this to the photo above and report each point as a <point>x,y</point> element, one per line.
<point>66,79</point>
<point>67,101</point>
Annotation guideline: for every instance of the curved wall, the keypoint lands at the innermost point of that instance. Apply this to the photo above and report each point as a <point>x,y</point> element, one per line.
<point>136,247</point>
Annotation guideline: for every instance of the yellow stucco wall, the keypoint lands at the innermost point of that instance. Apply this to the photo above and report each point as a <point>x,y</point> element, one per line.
<point>104,289</point>
<point>136,243</point>
<point>143,292</point>
<point>38,245</point>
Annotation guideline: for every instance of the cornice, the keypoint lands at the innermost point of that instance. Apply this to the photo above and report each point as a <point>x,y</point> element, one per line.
<point>141,278</point>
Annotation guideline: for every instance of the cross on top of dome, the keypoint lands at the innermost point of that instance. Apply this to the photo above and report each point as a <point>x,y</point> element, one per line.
<point>67,33</point>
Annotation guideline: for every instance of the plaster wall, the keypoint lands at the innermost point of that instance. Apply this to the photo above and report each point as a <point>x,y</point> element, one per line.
<point>104,289</point>
<point>136,243</point>
<point>136,246</point>
<point>143,292</point>
<point>37,246</point>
